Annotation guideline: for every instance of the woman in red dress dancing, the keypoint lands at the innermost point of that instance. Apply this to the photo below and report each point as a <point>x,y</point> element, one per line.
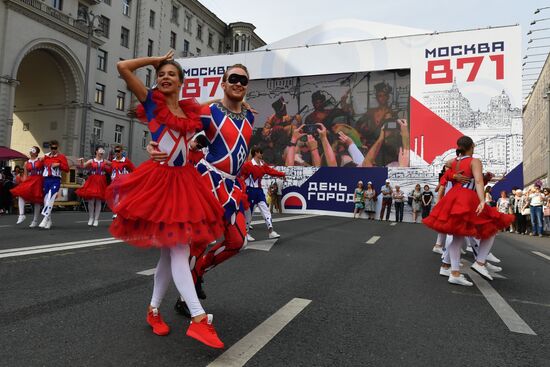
<point>94,188</point>
<point>462,212</point>
<point>30,189</point>
<point>165,204</point>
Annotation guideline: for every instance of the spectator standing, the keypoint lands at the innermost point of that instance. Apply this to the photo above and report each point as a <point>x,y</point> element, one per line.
<point>536,203</point>
<point>386,192</point>
<point>503,204</point>
<point>398,199</point>
<point>427,199</point>
<point>370,201</point>
<point>416,195</point>
<point>359,200</point>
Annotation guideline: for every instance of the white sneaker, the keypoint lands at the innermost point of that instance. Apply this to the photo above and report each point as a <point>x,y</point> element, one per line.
<point>492,258</point>
<point>460,280</point>
<point>444,272</point>
<point>437,250</point>
<point>90,221</point>
<point>469,248</point>
<point>274,234</point>
<point>96,223</point>
<point>114,216</point>
<point>250,227</point>
<point>48,223</point>
<point>492,268</point>
<point>43,223</point>
<point>481,270</point>
<point>33,224</point>
<point>511,231</point>
<point>20,219</point>
<point>249,238</point>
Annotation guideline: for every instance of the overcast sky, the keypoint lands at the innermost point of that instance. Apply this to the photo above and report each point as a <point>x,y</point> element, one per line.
<point>277,19</point>
<point>281,18</point>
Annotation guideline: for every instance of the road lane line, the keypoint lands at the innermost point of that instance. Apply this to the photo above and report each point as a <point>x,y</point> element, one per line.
<point>393,224</point>
<point>506,313</point>
<point>373,240</point>
<point>247,347</point>
<point>286,218</point>
<point>147,272</point>
<point>541,255</point>
<point>62,244</point>
<point>59,248</point>
<point>6,225</point>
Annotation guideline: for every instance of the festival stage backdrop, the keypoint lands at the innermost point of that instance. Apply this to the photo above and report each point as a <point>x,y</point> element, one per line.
<point>456,83</point>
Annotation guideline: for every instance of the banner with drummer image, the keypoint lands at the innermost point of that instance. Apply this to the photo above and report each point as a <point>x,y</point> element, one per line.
<point>358,119</point>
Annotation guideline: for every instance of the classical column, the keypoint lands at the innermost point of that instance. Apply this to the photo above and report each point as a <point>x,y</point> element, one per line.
<point>7,99</point>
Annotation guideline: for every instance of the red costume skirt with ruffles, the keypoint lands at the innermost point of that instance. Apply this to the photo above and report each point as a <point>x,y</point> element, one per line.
<point>164,206</point>
<point>455,214</point>
<point>93,188</point>
<point>30,190</point>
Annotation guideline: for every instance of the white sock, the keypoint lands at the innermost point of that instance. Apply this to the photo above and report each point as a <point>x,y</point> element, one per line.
<point>36,212</point>
<point>97,209</point>
<point>91,208</point>
<point>21,205</point>
<point>484,249</point>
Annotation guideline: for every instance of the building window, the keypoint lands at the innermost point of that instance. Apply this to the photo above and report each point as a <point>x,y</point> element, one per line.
<point>145,139</point>
<point>126,5</point>
<point>108,2</point>
<point>151,19</point>
<point>210,40</point>
<point>188,23</point>
<point>118,134</point>
<point>150,48</point>
<point>172,40</point>
<point>186,46</point>
<point>104,26</point>
<point>57,4</point>
<point>220,47</point>
<point>198,51</point>
<point>199,32</point>
<point>98,130</point>
<point>120,99</point>
<point>148,75</point>
<point>101,60</point>
<point>99,93</point>
<point>175,14</point>
<point>124,37</point>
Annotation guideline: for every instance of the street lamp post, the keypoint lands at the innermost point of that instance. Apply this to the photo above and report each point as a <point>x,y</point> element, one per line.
<point>547,97</point>
<point>89,18</point>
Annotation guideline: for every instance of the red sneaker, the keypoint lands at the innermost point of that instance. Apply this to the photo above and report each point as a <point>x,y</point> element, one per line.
<point>154,319</point>
<point>204,332</point>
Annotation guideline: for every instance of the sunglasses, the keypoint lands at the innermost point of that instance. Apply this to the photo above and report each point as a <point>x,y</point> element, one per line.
<point>118,151</point>
<point>53,148</point>
<point>236,78</point>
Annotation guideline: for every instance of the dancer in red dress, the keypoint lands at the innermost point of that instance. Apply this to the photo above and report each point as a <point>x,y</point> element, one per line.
<point>94,188</point>
<point>54,163</point>
<point>30,190</point>
<point>120,165</point>
<point>165,204</point>
<point>462,212</point>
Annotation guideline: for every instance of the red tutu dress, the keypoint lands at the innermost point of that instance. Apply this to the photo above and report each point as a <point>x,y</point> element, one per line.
<point>31,190</point>
<point>96,183</point>
<point>455,213</point>
<point>166,204</point>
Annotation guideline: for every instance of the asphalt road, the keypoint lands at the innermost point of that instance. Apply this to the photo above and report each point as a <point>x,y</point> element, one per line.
<point>368,304</point>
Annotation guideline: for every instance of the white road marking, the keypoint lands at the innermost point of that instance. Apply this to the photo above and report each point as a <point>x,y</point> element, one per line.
<point>286,218</point>
<point>507,314</point>
<point>23,251</point>
<point>541,255</point>
<point>264,245</point>
<point>101,220</point>
<point>147,272</point>
<point>6,225</point>
<point>373,240</point>
<point>497,275</point>
<point>393,224</point>
<point>247,347</point>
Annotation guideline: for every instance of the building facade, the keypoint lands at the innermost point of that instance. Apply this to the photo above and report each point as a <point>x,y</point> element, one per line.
<point>43,54</point>
<point>536,131</point>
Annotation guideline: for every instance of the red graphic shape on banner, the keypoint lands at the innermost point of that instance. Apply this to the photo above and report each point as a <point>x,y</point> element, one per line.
<point>434,136</point>
<point>293,202</point>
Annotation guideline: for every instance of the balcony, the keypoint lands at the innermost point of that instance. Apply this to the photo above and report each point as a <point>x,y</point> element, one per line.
<point>53,18</point>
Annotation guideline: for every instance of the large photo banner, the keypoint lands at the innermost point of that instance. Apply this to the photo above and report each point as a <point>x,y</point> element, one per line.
<point>378,109</point>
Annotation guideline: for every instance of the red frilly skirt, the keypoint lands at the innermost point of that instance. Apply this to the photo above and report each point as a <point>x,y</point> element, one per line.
<point>30,190</point>
<point>455,214</point>
<point>164,206</point>
<point>93,188</point>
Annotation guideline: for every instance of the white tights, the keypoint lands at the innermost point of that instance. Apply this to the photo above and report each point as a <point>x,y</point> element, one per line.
<point>174,264</point>
<point>21,204</point>
<point>94,208</point>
